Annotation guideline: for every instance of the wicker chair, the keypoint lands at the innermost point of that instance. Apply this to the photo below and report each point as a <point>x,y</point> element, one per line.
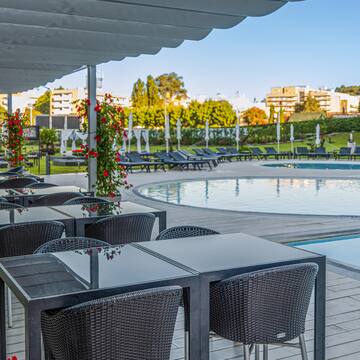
<point>41,185</point>
<point>184,231</point>
<point>4,205</point>
<point>263,307</point>
<point>24,239</point>
<point>86,200</point>
<point>137,325</point>
<point>69,243</point>
<point>122,229</point>
<point>17,183</point>
<point>55,199</point>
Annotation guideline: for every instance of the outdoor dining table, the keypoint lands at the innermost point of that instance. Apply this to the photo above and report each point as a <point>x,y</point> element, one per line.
<point>58,280</point>
<point>28,195</point>
<point>217,257</point>
<point>86,214</point>
<point>51,281</point>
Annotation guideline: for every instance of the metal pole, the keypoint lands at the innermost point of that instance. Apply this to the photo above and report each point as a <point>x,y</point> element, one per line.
<point>9,103</point>
<point>92,126</point>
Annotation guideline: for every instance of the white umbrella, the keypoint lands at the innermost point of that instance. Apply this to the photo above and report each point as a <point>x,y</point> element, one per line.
<point>137,133</point>
<point>178,132</point>
<point>237,134</point>
<point>278,133</point>
<point>146,136</point>
<point>129,135</point>
<point>317,140</point>
<point>207,133</point>
<point>292,138</point>
<point>351,138</point>
<point>167,132</point>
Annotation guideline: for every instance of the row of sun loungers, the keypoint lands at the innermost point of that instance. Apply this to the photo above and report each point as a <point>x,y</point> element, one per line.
<point>203,158</point>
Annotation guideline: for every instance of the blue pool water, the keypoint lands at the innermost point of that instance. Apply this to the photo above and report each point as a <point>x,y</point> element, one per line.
<point>316,166</point>
<point>344,249</point>
<point>267,195</point>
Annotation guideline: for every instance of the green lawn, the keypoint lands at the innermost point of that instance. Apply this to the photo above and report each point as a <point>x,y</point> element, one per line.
<point>333,142</point>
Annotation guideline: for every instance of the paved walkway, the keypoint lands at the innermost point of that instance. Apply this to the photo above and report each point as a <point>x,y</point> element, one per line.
<point>343,287</point>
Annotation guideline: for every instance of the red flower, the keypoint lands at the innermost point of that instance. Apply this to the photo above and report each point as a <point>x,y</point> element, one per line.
<point>88,102</point>
<point>97,138</point>
<point>112,194</point>
<point>97,108</point>
<point>103,120</point>
<point>106,173</point>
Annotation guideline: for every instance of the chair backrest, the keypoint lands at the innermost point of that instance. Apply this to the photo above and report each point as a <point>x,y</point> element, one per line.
<point>232,150</point>
<point>209,151</point>
<point>16,183</point>
<point>86,200</point>
<point>357,150</point>
<point>270,150</point>
<point>40,185</point>
<point>4,205</point>
<point>320,150</point>
<point>134,157</point>
<point>302,150</point>
<point>2,199</point>
<point>222,150</point>
<point>256,151</point>
<point>141,327</point>
<point>18,169</point>
<point>184,231</point>
<point>199,152</point>
<point>345,151</point>
<point>163,156</point>
<point>24,239</point>
<point>69,243</point>
<point>122,229</point>
<point>263,307</point>
<point>176,156</point>
<point>56,198</point>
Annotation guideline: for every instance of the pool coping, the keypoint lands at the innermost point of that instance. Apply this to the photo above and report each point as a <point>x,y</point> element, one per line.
<point>137,189</point>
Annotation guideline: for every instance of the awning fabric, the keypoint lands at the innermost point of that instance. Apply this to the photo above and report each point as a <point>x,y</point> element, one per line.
<point>43,40</point>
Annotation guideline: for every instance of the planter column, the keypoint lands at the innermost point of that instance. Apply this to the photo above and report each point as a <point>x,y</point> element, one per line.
<point>91,90</point>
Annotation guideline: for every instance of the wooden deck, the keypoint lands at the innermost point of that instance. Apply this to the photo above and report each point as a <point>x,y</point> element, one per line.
<point>343,286</point>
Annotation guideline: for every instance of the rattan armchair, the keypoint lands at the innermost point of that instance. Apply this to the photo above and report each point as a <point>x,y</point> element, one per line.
<point>122,229</point>
<point>132,326</point>
<point>4,205</point>
<point>263,307</point>
<point>41,185</point>
<point>184,231</point>
<point>55,199</point>
<point>69,243</point>
<point>86,200</point>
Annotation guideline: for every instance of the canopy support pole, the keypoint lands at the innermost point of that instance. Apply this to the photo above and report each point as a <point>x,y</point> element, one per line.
<point>92,126</point>
<point>9,103</point>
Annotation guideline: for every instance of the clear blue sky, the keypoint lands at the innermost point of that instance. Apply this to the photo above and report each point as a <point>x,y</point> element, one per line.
<point>313,42</point>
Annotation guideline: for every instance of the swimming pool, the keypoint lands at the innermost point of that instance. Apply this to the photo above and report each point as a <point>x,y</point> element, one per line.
<point>343,249</point>
<point>265,195</point>
<point>316,166</point>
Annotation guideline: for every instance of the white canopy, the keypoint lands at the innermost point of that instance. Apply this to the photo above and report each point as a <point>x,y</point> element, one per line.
<point>45,40</point>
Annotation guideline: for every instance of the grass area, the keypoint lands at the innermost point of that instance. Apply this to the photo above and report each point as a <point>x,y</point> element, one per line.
<point>332,142</point>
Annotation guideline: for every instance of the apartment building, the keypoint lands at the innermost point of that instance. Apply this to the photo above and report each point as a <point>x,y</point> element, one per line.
<point>63,101</point>
<point>330,101</point>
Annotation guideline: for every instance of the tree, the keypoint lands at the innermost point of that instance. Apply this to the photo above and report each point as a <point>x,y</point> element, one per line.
<point>138,95</point>
<point>299,107</point>
<point>42,104</point>
<point>171,87</point>
<point>351,90</point>
<point>152,91</point>
<point>255,116</point>
<point>272,114</point>
<point>311,104</point>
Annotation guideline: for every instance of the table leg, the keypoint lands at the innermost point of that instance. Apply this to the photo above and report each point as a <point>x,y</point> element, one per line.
<point>204,319</point>
<point>320,311</point>
<point>32,333</point>
<point>192,322</point>
<point>2,322</point>
<point>162,221</point>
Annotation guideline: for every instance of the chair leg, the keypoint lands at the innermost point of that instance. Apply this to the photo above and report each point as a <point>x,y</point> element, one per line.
<point>9,308</point>
<point>257,352</point>
<point>266,352</point>
<point>246,352</point>
<point>186,345</point>
<point>303,347</point>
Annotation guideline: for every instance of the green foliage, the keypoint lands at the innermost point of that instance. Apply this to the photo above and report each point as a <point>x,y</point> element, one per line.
<point>281,116</point>
<point>171,87</point>
<point>42,104</point>
<point>351,90</point>
<point>48,137</point>
<point>272,114</point>
<point>254,116</point>
<point>311,105</point>
<point>152,92</point>
<point>138,95</point>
